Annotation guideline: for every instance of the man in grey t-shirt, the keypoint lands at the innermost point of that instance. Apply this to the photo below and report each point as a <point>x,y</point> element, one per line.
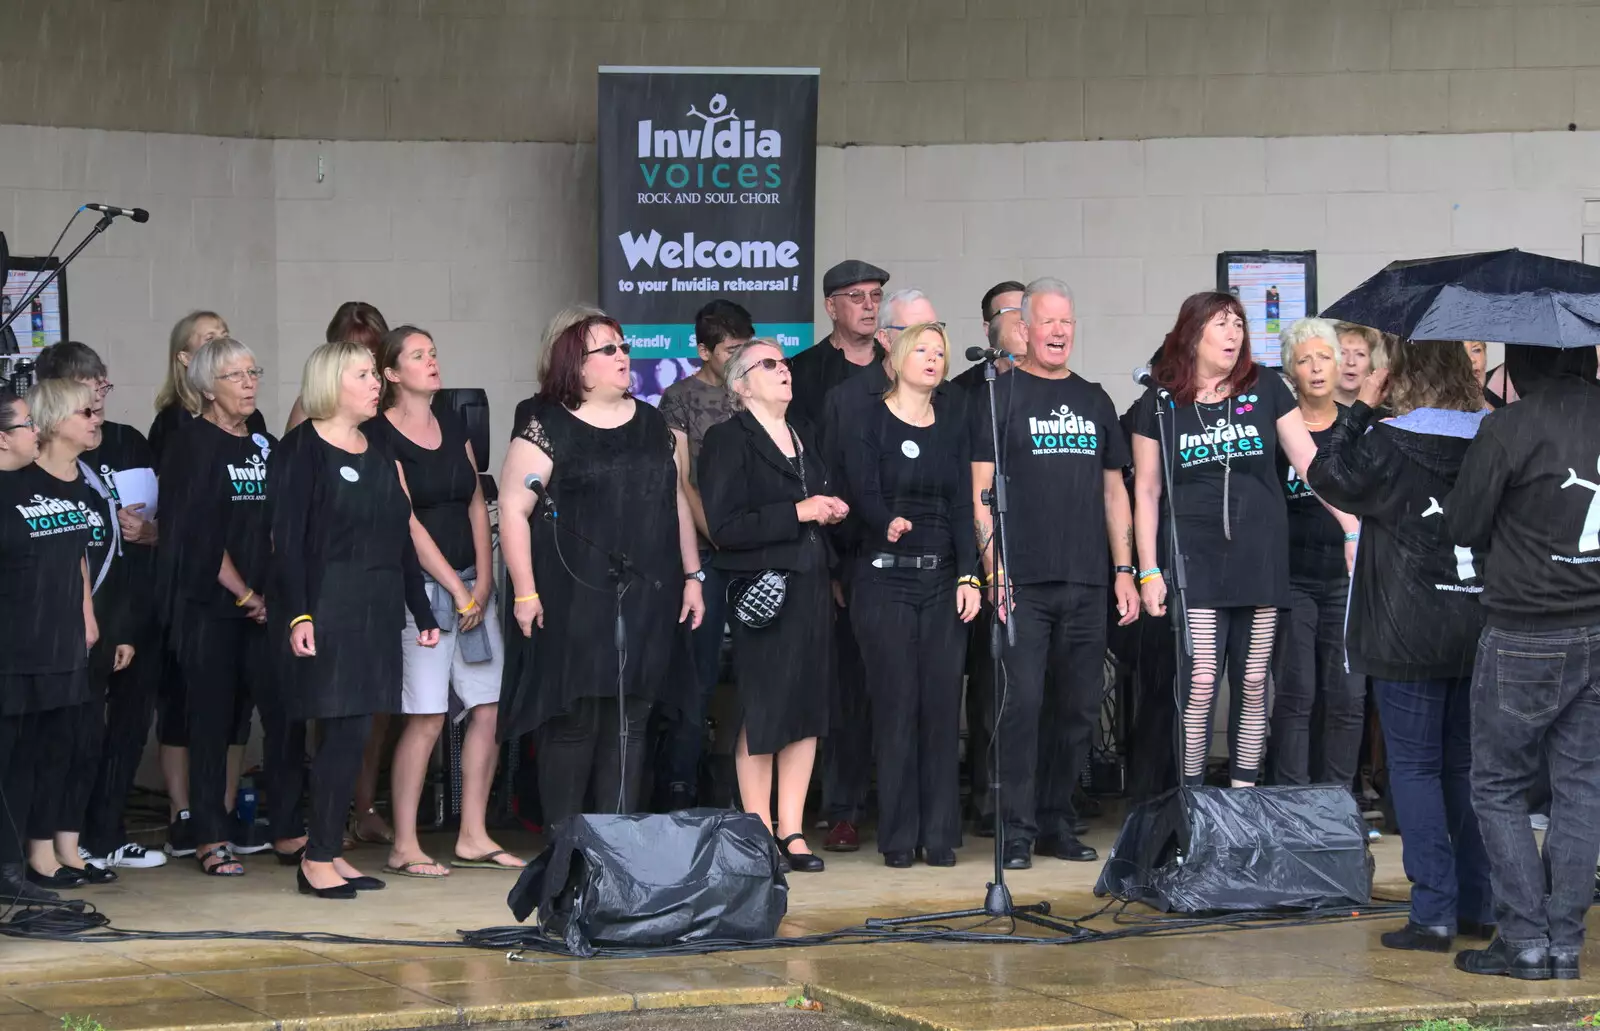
<point>692,406</point>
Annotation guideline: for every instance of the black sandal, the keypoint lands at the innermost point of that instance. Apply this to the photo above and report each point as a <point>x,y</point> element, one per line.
<point>799,862</point>
<point>225,857</point>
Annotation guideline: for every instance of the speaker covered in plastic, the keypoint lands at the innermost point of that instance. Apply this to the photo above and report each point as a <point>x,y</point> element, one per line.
<point>651,881</point>
<point>1234,850</point>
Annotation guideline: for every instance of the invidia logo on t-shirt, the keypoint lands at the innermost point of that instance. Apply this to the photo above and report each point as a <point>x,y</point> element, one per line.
<point>47,517</point>
<point>249,481</point>
<point>1063,433</point>
<point>1216,443</point>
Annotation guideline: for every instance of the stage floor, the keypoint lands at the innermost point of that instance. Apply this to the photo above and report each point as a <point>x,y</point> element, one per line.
<point>1254,980</point>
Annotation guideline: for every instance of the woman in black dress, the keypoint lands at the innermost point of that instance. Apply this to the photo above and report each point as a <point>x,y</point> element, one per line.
<point>764,488</point>
<point>216,571</point>
<point>908,475</point>
<point>1221,411</point>
<point>346,571</point>
<point>608,465</point>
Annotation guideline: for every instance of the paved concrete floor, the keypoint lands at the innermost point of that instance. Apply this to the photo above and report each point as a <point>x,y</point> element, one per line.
<point>1277,977</point>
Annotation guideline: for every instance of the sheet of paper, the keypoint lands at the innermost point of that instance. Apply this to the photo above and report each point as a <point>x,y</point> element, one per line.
<point>138,487</point>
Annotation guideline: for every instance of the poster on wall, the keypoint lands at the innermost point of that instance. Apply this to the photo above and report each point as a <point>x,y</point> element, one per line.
<point>45,320</point>
<point>708,182</point>
<point>1275,287</point>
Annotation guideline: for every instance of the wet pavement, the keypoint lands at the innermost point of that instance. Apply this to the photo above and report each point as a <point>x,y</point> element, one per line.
<point>1330,974</point>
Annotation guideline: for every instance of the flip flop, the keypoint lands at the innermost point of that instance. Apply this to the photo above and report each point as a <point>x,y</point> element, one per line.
<point>410,869</point>
<point>486,861</point>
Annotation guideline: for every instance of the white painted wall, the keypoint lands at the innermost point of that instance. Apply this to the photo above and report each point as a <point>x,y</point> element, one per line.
<point>481,242</point>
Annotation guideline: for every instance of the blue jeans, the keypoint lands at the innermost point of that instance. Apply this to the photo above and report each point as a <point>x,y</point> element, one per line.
<point>1537,694</point>
<point>1427,726</point>
<point>688,736</point>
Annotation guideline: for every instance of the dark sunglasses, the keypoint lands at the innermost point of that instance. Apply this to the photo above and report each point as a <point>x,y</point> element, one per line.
<point>610,349</point>
<point>771,364</point>
<point>87,413</point>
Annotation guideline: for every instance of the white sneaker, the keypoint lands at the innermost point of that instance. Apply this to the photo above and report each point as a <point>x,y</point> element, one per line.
<point>1539,821</point>
<point>128,857</point>
<point>1374,834</point>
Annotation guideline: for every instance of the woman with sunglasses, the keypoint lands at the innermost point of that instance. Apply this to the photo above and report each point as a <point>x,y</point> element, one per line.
<point>606,463</point>
<point>68,423</point>
<point>766,497</point>
<point>216,565</point>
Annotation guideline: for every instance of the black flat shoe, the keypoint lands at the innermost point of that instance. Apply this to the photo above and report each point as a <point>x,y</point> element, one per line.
<point>1501,960</point>
<point>1019,854</point>
<point>95,874</point>
<point>365,883</point>
<point>1564,964</point>
<point>290,858</point>
<point>940,857</point>
<point>338,891</point>
<point>799,862</point>
<point>1417,938</point>
<point>900,859</point>
<point>1473,929</point>
<point>14,886</point>
<point>66,877</point>
<point>1065,847</point>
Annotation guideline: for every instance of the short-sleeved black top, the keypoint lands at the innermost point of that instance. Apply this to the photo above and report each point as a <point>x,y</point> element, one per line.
<point>441,481</point>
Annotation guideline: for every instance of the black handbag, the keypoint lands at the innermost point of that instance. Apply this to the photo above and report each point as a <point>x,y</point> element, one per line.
<point>757,600</point>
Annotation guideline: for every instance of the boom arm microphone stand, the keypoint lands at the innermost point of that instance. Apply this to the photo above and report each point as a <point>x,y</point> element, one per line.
<point>22,306</point>
<point>997,901</point>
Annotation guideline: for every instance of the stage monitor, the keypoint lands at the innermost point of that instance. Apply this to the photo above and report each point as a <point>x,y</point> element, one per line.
<point>1276,288</point>
<point>45,320</point>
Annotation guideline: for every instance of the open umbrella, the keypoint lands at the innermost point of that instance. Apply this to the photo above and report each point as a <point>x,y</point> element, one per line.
<point>1511,296</point>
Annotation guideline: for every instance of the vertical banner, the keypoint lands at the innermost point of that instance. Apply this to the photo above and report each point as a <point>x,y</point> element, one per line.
<point>708,188</point>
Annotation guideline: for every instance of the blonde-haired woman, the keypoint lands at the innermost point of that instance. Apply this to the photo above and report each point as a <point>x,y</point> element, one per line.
<point>1362,351</point>
<point>767,497</point>
<point>68,424</point>
<point>346,572</point>
<point>908,476</point>
<point>176,401</point>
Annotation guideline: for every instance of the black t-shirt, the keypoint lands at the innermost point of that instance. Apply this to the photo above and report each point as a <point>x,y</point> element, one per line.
<point>441,481</point>
<point>1316,540</point>
<point>126,588</point>
<point>175,417</point>
<point>1229,449</point>
<point>46,527</point>
<point>923,474</point>
<point>817,370</point>
<point>1059,437</point>
<point>217,499</point>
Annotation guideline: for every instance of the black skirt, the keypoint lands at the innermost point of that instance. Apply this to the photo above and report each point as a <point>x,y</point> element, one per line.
<point>22,693</point>
<point>784,670</point>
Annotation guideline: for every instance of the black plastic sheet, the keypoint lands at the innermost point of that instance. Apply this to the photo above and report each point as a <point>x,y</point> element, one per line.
<point>1510,296</point>
<point>647,881</point>
<point>1234,850</point>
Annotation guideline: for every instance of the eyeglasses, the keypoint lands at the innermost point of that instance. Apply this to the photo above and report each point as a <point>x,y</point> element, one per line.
<point>609,349</point>
<point>859,296</point>
<point>26,424</point>
<point>88,413</point>
<point>931,325</point>
<point>1001,311</point>
<point>771,364</point>
<point>103,387</point>
<point>238,375</point>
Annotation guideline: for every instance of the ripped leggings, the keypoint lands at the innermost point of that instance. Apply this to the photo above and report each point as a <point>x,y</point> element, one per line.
<point>1243,637</point>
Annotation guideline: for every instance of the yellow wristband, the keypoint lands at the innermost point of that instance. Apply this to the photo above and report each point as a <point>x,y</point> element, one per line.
<point>296,621</point>
<point>472,604</point>
<point>969,581</point>
<point>243,599</point>
<point>1146,578</point>
<point>527,597</point>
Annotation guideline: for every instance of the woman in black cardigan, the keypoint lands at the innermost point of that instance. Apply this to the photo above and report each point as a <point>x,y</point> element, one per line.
<point>764,490</point>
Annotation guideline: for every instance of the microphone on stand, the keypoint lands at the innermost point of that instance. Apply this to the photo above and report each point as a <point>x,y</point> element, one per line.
<point>1143,376</point>
<point>985,354</point>
<point>137,214</point>
<point>541,498</point>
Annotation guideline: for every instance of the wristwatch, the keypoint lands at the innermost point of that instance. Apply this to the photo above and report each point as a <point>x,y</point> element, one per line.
<point>698,574</point>
<point>1127,569</point>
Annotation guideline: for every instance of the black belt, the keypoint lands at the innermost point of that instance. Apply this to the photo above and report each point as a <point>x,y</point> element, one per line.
<point>884,560</point>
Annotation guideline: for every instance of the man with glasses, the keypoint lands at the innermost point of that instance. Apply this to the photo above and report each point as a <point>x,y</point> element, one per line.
<point>852,292</point>
<point>1003,331</point>
<point>123,455</point>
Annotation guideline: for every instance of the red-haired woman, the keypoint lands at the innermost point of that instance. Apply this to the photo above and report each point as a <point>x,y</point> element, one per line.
<point>609,467</point>
<point>1222,413</point>
<point>358,323</point>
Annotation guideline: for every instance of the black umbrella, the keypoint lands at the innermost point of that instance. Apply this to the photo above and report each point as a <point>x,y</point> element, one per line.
<point>1510,296</point>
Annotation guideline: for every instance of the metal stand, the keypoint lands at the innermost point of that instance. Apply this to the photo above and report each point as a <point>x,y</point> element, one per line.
<point>997,902</point>
<point>1178,596</point>
<point>22,305</point>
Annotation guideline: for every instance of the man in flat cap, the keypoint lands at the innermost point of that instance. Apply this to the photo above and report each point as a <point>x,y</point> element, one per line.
<point>852,291</point>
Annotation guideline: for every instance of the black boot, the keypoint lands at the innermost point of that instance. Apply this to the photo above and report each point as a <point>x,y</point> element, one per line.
<point>1018,854</point>
<point>1473,929</point>
<point>1500,959</point>
<point>14,886</point>
<point>1564,964</point>
<point>1418,938</point>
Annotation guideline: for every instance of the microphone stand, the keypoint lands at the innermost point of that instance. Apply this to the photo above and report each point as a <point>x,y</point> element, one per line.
<point>622,573</point>
<point>997,902</point>
<point>1178,596</point>
<point>22,305</point>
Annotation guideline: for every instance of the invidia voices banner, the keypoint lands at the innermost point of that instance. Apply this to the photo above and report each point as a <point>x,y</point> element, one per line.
<point>708,183</point>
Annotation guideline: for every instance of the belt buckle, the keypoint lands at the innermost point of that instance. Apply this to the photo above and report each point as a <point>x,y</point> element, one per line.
<point>882,561</point>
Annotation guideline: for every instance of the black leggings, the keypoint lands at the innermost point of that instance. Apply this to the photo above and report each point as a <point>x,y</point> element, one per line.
<point>1237,641</point>
<point>129,703</point>
<point>20,750</point>
<point>342,742</point>
<point>580,759</point>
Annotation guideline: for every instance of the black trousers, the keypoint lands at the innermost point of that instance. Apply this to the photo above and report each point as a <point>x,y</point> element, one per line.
<point>1056,671</point>
<point>225,662</point>
<point>58,735</point>
<point>581,762</point>
<point>980,712</point>
<point>20,749</point>
<point>130,702</point>
<point>342,742</point>
<point>913,644</point>
<point>1318,709</point>
<point>847,750</point>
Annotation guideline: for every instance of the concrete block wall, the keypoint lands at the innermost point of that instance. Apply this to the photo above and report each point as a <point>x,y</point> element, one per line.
<point>895,72</point>
<point>482,242</point>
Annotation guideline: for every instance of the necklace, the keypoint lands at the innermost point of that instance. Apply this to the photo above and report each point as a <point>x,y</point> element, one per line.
<point>1227,463</point>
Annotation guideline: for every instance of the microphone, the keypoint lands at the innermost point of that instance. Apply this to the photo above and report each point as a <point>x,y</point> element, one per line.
<point>1143,377</point>
<point>985,354</point>
<point>137,214</point>
<point>535,486</point>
